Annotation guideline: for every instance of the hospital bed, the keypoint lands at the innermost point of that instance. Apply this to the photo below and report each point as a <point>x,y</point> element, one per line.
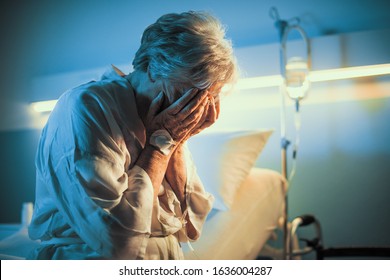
<point>248,203</point>
<point>241,232</point>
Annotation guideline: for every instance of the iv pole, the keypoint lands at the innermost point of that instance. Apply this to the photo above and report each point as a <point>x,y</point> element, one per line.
<point>294,84</point>
<point>285,27</point>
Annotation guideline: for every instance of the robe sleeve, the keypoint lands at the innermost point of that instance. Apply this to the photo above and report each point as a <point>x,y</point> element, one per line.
<point>199,202</point>
<point>107,204</point>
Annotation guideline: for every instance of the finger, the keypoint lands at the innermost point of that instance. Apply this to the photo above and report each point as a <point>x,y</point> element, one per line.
<point>218,107</point>
<point>155,105</point>
<point>180,103</point>
<point>195,127</point>
<point>194,115</point>
<point>211,115</point>
<point>212,111</point>
<point>192,104</point>
<point>199,127</point>
<point>204,115</point>
<point>185,128</point>
<point>196,131</point>
<point>180,126</point>
<point>202,123</point>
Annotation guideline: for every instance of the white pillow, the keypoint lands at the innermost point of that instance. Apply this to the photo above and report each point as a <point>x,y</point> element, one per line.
<point>224,159</point>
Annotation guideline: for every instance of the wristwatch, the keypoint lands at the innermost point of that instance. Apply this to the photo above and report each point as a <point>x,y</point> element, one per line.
<point>162,140</point>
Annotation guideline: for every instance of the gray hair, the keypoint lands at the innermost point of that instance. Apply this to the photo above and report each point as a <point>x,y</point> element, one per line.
<point>187,49</point>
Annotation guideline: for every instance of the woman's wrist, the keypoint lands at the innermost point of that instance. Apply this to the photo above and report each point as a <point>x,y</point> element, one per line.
<point>176,174</point>
<point>162,141</point>
<point>154,163</point>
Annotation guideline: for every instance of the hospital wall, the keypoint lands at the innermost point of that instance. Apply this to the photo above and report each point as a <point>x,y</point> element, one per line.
<point>343,164</point>
<point>343,161</point>
<point>344,155</point>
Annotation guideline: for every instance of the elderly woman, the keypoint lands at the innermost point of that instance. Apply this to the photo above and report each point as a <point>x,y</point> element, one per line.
<point>114,177</point>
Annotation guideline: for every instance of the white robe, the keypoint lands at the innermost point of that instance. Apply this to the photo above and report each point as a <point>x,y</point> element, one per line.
<point>92,201</point>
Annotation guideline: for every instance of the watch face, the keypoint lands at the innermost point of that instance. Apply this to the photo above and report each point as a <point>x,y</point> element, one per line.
<point>162,140</point>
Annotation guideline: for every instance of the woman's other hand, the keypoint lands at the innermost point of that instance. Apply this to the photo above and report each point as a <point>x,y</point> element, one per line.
<point>209,117</point>
<point>187,116</point>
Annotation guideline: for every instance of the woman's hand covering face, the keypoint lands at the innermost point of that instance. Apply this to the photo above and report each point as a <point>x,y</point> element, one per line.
<point>187,116</point>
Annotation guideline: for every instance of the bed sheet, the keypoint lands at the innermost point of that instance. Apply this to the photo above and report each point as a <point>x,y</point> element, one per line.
<point>241,232</point>
<point>15,243</point>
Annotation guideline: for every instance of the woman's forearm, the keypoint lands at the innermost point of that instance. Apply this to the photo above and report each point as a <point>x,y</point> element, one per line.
<point>173,167</point>
<point>176,174</point>
<point>155,164</point>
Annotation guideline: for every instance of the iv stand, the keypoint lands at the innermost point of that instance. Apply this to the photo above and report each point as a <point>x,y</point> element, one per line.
<point>284,28</point>
<point>289,229</point>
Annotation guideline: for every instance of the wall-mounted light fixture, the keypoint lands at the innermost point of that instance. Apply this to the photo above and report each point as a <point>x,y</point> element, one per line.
<point>317,76</point>
<point>277,80</point>
<point>43,106</point>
